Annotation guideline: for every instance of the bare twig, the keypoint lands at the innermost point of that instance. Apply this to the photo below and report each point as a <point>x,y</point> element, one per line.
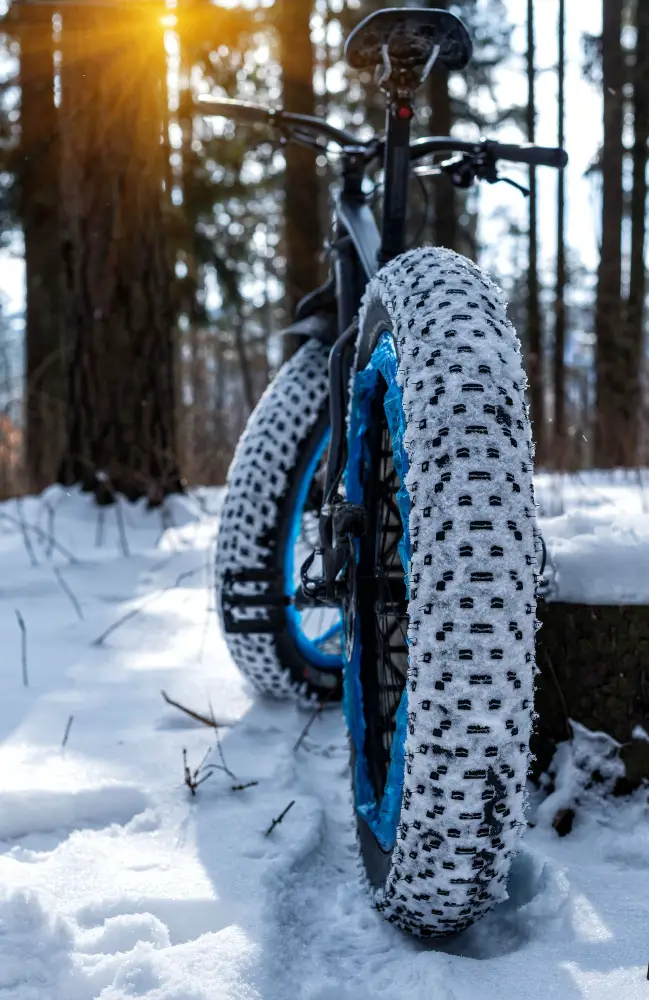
<point>23,647</point>
<point>193,779</point>
<point>149,600</point>
<point>50,527</point>
<point>42,534</point>
<point>23,528</point>
<point>219,746</point>
<point>51,509</point>
<point>65,587</point>
<point>562,698</point>
<point>119,516</point>
<point>99,529</point>
<point>67,732</point>
<point>314,715</point>
<point>188,711</point>
<point>279,819</point>
<point>204,770</point>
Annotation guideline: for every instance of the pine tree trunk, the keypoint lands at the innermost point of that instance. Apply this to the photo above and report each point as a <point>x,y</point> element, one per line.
<point>121,434</point>
<point>637,283</point>
<point>534,333</point>
<point>613,416</point>
<point>560,441</point>
<point>302,232</point>
<point>39,175</point>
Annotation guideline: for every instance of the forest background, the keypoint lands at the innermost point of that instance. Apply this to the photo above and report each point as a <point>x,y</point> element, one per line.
<point>150,258</point>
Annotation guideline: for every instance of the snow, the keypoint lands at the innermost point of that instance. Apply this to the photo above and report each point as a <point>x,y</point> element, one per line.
<point>116,883</point>
<point>596,529</point>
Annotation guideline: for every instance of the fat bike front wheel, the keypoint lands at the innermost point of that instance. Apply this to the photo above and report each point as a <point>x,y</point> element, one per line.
<point>439,674</point>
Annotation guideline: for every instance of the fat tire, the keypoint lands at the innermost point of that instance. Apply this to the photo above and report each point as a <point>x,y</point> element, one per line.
<point>473,576</point>
<point>276,446</point>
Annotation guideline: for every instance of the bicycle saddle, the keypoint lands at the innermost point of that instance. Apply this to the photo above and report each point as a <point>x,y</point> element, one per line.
<point>410,34</point>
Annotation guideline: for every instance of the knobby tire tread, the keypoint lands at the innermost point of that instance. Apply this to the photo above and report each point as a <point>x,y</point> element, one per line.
<point>278,439</point>
<point>473,577</point>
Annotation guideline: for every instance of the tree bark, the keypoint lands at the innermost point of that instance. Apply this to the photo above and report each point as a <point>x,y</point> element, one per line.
<point>613,416</point>
<point>637,281</point>
<point>302,229</point>
<point>534,332</point>
<point>120,432</point>
<point>39,181</point>
<point>560,288</point>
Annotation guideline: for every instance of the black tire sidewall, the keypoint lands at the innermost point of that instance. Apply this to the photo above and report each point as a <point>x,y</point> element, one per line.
<point>377,861</point>
<point>376,321</point>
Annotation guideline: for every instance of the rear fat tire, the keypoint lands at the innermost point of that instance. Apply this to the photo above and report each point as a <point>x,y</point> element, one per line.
<point>472,604</point>
<point>278,443</point>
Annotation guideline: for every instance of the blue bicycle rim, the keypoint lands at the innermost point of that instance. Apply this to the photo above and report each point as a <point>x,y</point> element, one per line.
<point>382,817</point>
<point>310,648</point>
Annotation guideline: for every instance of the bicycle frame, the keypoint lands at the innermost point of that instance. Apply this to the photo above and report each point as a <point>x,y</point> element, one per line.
<point>359,249</point>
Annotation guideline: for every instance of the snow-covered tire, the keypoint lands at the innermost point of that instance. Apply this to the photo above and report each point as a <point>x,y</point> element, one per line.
<point>277,445</point>
<point>472,607</point>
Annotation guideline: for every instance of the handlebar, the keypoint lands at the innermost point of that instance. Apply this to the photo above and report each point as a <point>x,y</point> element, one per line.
<point>536,156</point>
<point>256,114</point>
<point>306,129</point>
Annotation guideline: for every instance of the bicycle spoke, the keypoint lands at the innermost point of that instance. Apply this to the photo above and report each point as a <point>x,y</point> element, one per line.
<point>386,655</point>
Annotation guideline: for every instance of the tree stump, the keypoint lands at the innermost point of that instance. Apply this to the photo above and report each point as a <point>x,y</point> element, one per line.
<point>594,667</point>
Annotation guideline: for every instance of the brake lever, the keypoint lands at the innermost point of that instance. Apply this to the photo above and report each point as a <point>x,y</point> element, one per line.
<point>465,170</point>
<point>519,187</point>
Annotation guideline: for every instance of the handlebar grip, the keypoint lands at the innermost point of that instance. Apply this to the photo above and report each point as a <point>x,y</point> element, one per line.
<point>535,156</point>
<point>243,111</point>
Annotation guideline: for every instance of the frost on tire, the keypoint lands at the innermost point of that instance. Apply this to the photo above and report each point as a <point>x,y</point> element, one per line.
<point>472,603</point>
<point>279,434</point>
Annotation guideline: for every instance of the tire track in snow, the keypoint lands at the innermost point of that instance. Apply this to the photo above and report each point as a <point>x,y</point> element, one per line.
<point>321,937</point>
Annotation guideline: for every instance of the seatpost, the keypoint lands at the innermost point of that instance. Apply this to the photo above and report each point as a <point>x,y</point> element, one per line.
<point>396,174</point>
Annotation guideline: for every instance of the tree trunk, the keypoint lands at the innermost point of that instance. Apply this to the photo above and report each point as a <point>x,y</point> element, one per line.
<point>613,415</point>
<point>121,434</point>
<point>302,231</point>
<point>39,177</point>
<point>560,289</point>
<point>244,364</point>
<point>534,334</point>
<point>637,283</point>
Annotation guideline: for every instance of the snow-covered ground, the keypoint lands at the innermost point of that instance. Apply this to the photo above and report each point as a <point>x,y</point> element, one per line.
<point>116,883</point>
